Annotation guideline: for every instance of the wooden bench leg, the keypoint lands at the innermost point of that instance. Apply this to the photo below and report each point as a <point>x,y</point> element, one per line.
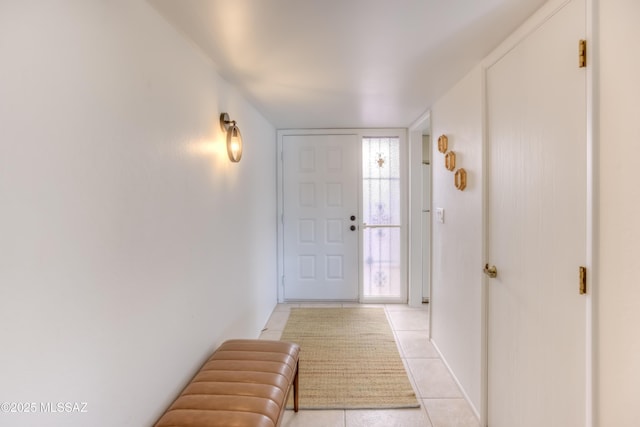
<point>295,390</point>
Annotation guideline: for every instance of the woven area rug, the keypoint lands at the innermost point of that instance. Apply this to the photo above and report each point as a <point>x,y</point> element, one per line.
<point>348,359</point>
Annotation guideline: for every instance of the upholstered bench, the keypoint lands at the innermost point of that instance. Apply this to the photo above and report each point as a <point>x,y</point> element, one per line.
<point>245,383</point>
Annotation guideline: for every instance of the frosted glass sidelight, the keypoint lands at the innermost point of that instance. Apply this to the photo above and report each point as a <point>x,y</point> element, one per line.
<point>381,272</point>
<point>381,217</point>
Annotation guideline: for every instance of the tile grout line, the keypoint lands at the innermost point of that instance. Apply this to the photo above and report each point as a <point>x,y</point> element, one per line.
<point>408,370</point>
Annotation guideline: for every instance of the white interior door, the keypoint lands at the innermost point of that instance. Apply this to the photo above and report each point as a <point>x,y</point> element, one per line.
<point>320,205</point>
<point>536,228</point>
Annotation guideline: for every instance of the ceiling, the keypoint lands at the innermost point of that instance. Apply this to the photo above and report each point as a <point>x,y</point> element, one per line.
<point>345,63</point>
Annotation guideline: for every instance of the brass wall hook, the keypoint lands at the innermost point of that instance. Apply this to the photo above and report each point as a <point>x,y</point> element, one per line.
<point>460,179</point>
<point>443,144</point>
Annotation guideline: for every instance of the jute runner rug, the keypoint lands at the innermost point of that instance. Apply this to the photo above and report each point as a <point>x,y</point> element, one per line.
<point>348,359</point>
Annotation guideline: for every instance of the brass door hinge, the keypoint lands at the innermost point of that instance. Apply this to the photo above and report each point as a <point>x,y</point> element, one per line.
<point>582,53</point>
<point>583,280</point>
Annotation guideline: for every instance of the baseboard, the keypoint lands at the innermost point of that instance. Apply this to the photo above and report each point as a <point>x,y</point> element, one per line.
<point>464,393</point>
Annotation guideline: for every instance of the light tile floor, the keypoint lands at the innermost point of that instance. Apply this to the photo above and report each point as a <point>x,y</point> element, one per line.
<point>442,404</point>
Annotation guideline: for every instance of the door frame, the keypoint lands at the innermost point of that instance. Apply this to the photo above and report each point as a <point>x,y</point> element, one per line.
<point>391,132</point>
<point>416,251</point>
<point>592,194</point>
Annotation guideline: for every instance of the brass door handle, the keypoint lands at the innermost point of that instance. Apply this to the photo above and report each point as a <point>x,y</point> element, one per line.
<point>490,271</point>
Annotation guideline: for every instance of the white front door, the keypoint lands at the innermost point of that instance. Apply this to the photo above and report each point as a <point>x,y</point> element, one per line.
<point>320,216</point>
<point>536,117</point>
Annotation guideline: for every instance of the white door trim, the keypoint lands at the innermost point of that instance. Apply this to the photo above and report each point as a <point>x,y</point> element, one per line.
<point>593,201</point>
<point>415,211</point>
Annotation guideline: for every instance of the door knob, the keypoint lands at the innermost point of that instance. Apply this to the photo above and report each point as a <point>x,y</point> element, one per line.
<point>492,272</point>
<point>353,218</point>
<point>352,228</point>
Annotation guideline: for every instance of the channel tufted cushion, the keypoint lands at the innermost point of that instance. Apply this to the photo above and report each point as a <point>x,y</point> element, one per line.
<point>245,383</point>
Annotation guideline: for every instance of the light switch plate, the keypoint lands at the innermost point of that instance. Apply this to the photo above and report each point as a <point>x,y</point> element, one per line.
<point>440,215</point>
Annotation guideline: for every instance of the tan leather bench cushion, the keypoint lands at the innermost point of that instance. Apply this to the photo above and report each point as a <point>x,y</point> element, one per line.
<point>244,383</point>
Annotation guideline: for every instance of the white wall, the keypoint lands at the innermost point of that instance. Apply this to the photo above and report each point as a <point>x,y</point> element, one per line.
<point>456,289</point>
<point>130,246</point>
<point>617,285</point>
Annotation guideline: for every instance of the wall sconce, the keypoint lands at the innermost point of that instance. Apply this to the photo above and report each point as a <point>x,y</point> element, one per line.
<point>234,138</point>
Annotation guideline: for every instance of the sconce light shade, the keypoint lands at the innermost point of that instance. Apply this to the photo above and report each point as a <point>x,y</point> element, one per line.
<point>234,137</point>
<point>234,144</point>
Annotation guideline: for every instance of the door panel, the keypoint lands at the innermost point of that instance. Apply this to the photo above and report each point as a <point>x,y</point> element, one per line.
<point>320,194</point>
<point>536,109</point>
